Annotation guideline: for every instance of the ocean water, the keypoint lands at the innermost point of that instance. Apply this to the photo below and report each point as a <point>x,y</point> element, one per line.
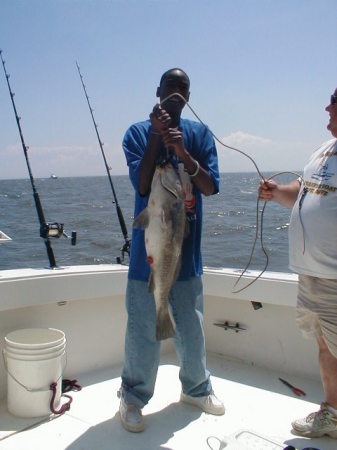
<point>85,204</point>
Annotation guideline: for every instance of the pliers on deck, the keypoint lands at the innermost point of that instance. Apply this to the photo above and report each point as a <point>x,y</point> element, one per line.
<point>295,390</point>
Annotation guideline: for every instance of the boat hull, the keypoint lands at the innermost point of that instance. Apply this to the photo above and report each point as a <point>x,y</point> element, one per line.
<point>87,303</point>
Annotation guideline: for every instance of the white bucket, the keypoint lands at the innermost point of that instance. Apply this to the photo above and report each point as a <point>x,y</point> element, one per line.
<point>35,358</point>
<point>35,338</point>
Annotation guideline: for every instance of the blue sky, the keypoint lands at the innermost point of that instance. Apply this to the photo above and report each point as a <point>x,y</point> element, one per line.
<point>261,75</point>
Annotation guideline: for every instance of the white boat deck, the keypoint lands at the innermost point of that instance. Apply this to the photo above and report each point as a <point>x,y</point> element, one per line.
<point>255,400</point>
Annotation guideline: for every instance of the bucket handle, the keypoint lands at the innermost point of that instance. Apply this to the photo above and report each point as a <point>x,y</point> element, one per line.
<point>26,387</point>
<point>65,407</point>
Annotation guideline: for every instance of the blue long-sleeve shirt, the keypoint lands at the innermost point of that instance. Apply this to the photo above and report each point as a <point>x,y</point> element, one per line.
<point>199,142</point>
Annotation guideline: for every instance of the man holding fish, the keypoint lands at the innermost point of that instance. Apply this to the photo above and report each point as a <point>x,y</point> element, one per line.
<point>172,163</point>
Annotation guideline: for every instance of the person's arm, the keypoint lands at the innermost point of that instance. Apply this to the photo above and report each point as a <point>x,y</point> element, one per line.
<point>285,194</point>
<point>173,138</point>
<point>160,120</point>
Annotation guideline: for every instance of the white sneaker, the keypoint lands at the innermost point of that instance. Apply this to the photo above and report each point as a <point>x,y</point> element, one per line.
<point>317,424</point>
<point>131,417</point>
<point>209,403</point>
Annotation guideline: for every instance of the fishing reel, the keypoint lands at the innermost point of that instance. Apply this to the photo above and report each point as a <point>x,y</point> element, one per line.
<point>124,249</point>
<point>56,230</point>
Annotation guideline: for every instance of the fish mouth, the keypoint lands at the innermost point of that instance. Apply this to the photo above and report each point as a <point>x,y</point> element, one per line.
<point>163,166</point>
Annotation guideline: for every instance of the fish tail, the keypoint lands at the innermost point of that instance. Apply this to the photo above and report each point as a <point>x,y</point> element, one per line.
<point>164,325</point>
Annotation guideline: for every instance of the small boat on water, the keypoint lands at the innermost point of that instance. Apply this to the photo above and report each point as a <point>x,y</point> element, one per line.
<point>53,176</point>
<point>4,237</point>
<point>257,344</point>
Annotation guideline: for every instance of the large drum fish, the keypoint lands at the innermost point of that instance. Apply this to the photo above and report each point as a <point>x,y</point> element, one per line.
<point>164,222</point>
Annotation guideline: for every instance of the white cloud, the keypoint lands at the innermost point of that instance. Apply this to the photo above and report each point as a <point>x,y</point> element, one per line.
<point>240,138</point>
<point>268,154</point>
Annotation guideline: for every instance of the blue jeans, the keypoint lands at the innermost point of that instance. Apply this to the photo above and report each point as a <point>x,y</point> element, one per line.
<point>142,350</point>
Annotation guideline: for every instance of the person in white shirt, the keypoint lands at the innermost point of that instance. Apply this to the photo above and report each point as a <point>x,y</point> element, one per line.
<point>313,255</point>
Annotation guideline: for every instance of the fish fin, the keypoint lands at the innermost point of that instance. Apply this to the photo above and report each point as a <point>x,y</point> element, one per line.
<point>142,220</point>
<point>174,188</point>
<point>151,285</point>
<point>164,325</point>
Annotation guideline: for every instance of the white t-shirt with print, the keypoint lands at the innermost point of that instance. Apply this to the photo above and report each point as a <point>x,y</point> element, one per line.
<point>313,223</point>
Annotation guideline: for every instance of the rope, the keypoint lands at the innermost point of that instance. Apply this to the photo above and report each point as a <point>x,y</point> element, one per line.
<point>261,239</point>
<point>257,203</point>
<point>213,437</point>
<point>67,385</point>
<point>70,385</point>
<point>214,136</point>
<point>65,407</point>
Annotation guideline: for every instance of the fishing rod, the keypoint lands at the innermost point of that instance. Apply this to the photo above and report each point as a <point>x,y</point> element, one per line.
<point>127,243</point>
<point>47,230</point>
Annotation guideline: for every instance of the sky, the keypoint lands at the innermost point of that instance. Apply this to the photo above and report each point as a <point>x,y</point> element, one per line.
<point>261,71</point>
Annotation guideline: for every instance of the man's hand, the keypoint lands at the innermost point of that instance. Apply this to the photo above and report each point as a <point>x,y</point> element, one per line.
<point>173,138</point>
<point>160,119</point>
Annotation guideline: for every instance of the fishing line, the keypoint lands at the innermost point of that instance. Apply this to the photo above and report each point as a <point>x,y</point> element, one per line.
<point>214,136</point>
<point>257,203</point>
<point>127,243</point>
<point>261,239</point>
<point>47,230</point>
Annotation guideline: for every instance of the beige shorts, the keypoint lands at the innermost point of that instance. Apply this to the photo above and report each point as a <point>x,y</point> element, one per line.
<point>317,309</point>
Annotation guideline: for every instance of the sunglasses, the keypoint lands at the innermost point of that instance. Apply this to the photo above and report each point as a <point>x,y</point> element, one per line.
<point>333,99</point>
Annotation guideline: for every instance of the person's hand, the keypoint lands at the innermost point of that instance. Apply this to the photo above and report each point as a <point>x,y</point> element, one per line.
<point>267,190</point>
<point>173,138</point>
<point>160,119</point>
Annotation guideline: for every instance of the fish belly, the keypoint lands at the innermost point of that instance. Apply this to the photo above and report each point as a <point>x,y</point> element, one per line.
<point>163,247</point>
